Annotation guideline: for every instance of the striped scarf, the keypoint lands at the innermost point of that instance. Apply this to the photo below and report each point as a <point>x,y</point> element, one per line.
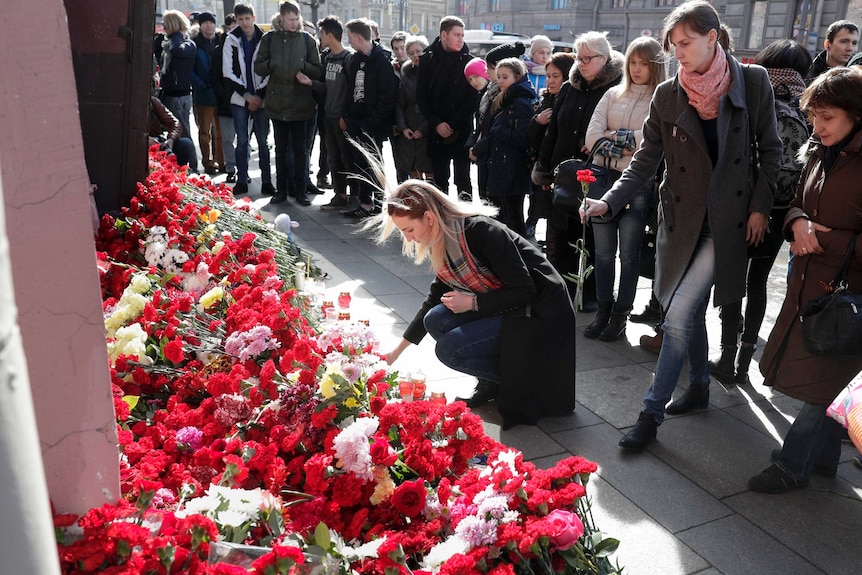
<point>462,270</point>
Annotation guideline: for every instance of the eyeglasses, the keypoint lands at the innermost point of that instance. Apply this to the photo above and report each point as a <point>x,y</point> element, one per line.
<point>587,59</point>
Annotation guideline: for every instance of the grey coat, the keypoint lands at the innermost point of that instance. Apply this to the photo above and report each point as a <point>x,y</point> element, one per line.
<point>692,189</point>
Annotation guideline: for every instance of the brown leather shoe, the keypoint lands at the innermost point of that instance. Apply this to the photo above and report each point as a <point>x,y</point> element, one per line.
<point>653,342</point>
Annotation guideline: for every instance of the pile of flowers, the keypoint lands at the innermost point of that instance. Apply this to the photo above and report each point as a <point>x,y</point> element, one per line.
<point>252,439</point>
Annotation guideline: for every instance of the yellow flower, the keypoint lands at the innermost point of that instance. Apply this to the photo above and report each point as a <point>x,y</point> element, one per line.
<point>212,297</point>
<point>384,487</point>
<point>211,216</point>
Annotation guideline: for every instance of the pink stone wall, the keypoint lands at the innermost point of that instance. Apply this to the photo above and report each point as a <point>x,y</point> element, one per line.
<point>48,219</point>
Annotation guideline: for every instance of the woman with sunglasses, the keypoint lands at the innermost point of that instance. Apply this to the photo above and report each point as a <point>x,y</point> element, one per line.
<point>598,68</point>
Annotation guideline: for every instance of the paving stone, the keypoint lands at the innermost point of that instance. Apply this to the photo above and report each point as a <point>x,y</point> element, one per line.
<point>714,449</point>
<point>735,545</point>
<point>669,497</point>
<point>614,393</point>
<point>403,305</point>
<point>832,507</point>
<point>338,250</point>
<point>375,278</point>
<point>580,417</point>
<point>529,439</point>
<point>646,547</point>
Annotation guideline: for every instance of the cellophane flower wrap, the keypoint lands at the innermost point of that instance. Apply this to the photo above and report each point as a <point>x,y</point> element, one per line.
<point>241,420</point>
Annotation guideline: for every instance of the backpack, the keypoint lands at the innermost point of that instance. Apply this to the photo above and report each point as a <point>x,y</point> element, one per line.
<point>793,130</point>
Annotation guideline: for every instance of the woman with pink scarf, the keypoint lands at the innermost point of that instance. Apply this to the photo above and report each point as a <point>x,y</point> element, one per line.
<point>714,124</point>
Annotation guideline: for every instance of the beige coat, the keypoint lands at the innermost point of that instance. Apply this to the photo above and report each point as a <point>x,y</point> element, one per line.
<point>620,111</point>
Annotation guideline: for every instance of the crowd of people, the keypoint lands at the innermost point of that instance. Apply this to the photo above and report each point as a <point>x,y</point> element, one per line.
<point>723,161</point>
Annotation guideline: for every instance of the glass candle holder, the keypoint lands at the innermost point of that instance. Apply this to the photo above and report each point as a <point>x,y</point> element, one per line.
<point>344,300</point>
<point>405,389</point>
<point>437,398</point>
<point>418,379</point>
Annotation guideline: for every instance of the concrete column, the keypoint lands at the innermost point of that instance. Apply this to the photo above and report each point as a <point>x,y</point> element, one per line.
<point>27,545</point>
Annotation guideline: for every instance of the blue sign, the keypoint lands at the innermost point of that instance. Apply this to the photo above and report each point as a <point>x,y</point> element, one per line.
<point>498,27</point>
<point>551,27</point>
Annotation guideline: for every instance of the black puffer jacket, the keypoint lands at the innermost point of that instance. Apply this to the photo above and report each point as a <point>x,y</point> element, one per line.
<point>179,59</point>
<point>508,157</point>
<point>573,109</point>
<point>373,92</point>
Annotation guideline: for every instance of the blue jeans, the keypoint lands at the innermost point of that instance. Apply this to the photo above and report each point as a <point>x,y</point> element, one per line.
<point>181,107</point>
<point>241,118</point>
<point>813,438</point>
<point>685,329</point>
<point>466,342</point>
<point>310,131</point>
<point>228,134</point>
<point>627,231</point>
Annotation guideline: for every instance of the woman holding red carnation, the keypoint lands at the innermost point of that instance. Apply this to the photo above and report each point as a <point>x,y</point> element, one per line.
<point>497,309</point>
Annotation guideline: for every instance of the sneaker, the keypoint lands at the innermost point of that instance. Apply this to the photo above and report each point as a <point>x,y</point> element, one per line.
<point>650,315</point>
<point>312,189</point>
<point>361,213</point>
<point>303,201</point>
<point>323,183</point>
<point>231,178</point>
<point>338,202</point>
<point>278,199</point>
<point>773,479</point>
<point>240,189</point>
<point>210,170</point>
<point>267,189</point>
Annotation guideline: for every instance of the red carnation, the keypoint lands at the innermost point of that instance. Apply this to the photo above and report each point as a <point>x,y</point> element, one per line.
<point>174,351</point>
<point>409,498</point>
<point>586,176</point>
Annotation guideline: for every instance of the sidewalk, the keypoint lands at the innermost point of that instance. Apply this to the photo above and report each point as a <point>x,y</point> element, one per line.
<point>682,506</point>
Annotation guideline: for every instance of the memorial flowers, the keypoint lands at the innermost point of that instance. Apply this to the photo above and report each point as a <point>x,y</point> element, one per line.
<point>243,421</point>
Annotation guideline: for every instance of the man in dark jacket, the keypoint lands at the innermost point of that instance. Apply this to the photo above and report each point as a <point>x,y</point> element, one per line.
<point>448,102</point>
<point>842,41</point>
<point>369,107</point>
<point>205,100</point>
<point>223,91</point>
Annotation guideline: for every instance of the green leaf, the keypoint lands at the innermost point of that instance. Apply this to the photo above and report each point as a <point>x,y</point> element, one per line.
<point>607,547</point>
<point>321,536</point>
<point>131,400</point>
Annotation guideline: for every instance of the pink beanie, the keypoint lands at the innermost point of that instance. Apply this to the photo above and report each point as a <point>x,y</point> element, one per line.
<point>476,67</point>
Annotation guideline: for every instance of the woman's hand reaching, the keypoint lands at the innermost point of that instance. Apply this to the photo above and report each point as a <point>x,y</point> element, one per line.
<point>805,237</point>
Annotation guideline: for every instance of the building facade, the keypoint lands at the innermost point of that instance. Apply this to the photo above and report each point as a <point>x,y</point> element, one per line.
<point>755,23</point>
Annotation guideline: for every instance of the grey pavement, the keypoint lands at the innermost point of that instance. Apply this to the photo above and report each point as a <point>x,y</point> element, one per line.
<point>680,507</point>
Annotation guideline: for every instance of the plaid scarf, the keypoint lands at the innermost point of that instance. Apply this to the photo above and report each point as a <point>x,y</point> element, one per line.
<point>613,147</point>
<point>462,270</point>
<point>786,83</point>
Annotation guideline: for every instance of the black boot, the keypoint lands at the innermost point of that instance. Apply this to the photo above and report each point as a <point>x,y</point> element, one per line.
<point>616,327</point>
<point>722,370</point>
<point>603,316</point>
<point>641,434</point>
<point>743,360</point>
<point>486,391</point>
<point>650,315</point>
<point>695,397</point>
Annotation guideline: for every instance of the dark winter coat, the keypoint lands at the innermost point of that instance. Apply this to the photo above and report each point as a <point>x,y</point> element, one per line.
<point>818,66</point>
<point>573,108</point>
<point>179,57</point>
<point>407,113</point>
<point>445,95</point>
<point>203,90</point>
<point>281,55</point>
<point>537,131</point>
<point>371,96</point>
<point>537,359</point>
<point>508,154</point>
<point>693,189</point>
<point>222,88</point>
<point>834,199</point>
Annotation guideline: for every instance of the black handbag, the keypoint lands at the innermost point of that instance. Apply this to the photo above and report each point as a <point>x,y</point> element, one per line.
<point>832,324</point>
<point>568,194</point>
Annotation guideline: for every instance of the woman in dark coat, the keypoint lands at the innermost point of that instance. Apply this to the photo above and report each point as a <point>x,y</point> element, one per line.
<point>822,219</point>
<point>507,152</point>
<point>715,126</point>
<point>598,68</point>
<point>497,309</point>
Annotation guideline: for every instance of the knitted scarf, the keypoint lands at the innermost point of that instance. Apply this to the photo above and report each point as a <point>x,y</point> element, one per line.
<point>462,270</point>
<point>705,90</point>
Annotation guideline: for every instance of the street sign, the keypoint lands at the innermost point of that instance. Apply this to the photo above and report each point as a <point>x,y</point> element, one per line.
<point>414,29</point>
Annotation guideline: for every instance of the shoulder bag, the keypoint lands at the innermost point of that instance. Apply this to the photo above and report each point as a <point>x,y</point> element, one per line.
<point>832,324</point>
<point>567,189</point>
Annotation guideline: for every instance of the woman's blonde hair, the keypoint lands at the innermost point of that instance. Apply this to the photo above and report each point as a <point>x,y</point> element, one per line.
<point>175,21</point>
<point>412,199</point>
<point>650,50</point>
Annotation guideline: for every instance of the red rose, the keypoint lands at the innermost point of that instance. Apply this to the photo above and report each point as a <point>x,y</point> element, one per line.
<point>409,498</point>
<point>382,453</point>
